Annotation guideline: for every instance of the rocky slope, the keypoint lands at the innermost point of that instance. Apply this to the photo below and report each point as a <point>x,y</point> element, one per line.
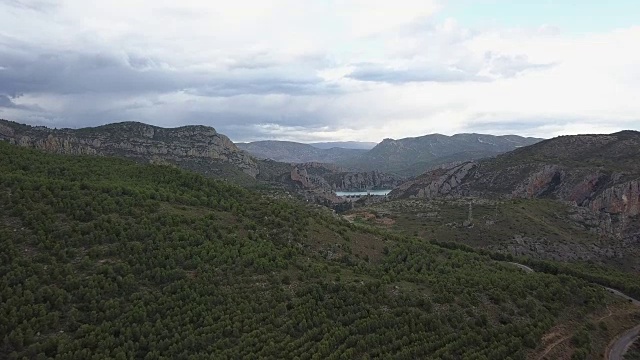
<point>600,173</point>
<point>412,156</point>
<point>293,152</point>
<point>198,148</point>
<point>339,179</point>
<point>319,181</point>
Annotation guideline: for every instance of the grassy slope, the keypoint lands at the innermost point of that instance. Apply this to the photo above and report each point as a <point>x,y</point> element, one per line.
<point>107,258</point>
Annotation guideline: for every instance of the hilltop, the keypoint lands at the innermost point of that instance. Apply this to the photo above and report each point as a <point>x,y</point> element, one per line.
<point>198,148</point>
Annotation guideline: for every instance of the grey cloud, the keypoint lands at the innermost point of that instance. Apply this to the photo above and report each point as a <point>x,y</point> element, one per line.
<point>504,66</point>
<point>510,66</point>
<point>28,69</point>
<point>394,76</point>
<point>514,126</point>
<point>69,73</point>
<point>7,102</point>
<point>234,87</point>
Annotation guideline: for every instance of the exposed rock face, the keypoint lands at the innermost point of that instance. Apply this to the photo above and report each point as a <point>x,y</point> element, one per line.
<point>199,148</point>
<point>334,178</point>
<point>438,183</point>
<point>542,182</point>
<point>348,181</point>
<point>599,173</point>
<point>317,181</point>
<point>619,199</point>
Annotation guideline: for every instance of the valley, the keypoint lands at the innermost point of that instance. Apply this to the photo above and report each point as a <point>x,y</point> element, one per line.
<point>155,238</point>
<point>319,180</point>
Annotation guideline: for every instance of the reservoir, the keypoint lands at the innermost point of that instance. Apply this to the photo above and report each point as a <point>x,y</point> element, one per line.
<point>363,193</point>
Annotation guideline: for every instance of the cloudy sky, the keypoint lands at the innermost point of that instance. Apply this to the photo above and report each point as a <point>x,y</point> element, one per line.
<point>324,70</point>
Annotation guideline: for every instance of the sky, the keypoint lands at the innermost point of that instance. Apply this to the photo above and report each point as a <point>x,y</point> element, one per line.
<point>324,70</point>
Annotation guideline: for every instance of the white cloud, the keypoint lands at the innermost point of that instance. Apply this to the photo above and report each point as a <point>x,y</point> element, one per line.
<point>329,70</point>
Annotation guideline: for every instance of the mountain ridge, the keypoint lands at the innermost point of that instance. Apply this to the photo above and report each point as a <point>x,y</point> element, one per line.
<point>599,173</point>
<point>295,152</point>
<point>414,155</point>
<point>195,147</point>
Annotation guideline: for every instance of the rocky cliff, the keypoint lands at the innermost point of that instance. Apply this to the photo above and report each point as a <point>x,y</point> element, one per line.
<point>340,179</point>
<point>600,173</point>
<point>198,148</point>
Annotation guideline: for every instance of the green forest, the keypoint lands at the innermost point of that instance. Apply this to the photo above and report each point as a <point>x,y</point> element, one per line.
<point>106,258</point>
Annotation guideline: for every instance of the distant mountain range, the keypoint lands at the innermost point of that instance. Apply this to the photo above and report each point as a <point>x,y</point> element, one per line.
<point>293,152</point>
<point>413,156</point>
<point>405,157</point>
<point>202,149</point>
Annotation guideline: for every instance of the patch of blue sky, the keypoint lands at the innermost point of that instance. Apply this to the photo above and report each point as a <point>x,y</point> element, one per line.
<point>569,16</point>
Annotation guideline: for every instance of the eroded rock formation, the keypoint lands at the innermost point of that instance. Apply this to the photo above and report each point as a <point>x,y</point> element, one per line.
<point>197,147</point>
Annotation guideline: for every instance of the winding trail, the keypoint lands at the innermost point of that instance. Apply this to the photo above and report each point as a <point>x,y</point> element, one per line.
<point>618,346</point>
<point>541,357</point>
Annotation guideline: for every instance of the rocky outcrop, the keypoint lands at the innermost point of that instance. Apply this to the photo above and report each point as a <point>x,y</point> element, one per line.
<point>348,181</point>
<point>334,178</point>
<point>541,182</point>
<point>621,199</point>
<point>439,183</point>
<point>198,148</point>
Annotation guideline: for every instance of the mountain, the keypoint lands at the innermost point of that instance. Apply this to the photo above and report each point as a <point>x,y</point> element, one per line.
<point>345,145</point>
<point>293,152</point>
<point>595,178</point>
<point>107,258</point>
<point>412,156</point>
<point>199,148</point>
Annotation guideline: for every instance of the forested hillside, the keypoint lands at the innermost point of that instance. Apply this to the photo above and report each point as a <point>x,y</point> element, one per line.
<point>106,258</point>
